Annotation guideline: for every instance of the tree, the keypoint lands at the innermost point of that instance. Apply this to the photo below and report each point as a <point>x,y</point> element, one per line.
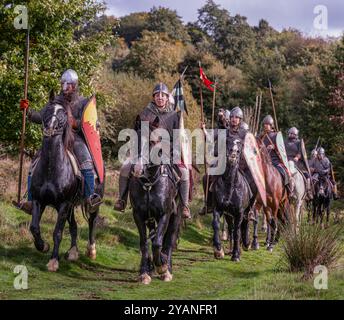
<point>54,47</point>
<point>131,26</point>
<point>153,55</point>
<point>164,20</point>
<point>233,37</point>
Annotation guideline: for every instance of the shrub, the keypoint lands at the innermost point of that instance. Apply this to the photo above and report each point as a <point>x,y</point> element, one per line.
<point>310,246</point>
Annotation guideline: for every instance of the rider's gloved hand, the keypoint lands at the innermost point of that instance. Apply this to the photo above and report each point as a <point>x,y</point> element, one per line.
<point>270,147</point>
<point>138,169</point>
<point>24,104</point>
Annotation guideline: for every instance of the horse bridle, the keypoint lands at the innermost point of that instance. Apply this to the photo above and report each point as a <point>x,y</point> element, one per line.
<point>50,132</point>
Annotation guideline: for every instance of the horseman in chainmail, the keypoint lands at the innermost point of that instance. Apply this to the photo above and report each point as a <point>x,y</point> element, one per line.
<point>159,114</point>
<point>74,104</point>
<point>323,167</point>
<point>294,153</point>
<point>268,137</point>
<point>236,128</point>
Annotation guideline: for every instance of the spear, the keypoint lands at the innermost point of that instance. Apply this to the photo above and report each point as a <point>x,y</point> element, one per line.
<point>22,139</point>
<point>212,127</point>
<point>273,105</point>
<point>259,108</point>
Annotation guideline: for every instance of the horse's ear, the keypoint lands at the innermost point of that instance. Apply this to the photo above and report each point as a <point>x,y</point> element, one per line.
<point>51,95</point>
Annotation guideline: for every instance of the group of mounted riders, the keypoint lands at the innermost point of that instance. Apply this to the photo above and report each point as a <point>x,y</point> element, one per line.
<point>245,191</point>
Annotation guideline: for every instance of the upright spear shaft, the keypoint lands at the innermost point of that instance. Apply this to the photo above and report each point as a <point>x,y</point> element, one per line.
<point>22,139</point>
<point>273,105</point>
<point>258,116</point>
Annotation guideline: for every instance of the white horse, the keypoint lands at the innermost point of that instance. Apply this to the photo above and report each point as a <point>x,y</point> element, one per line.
<point>299,193</point>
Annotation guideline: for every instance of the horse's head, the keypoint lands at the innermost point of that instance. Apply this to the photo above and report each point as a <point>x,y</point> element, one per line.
<point>55,123</point>
<point>234,148</point>
<point>55,120</point>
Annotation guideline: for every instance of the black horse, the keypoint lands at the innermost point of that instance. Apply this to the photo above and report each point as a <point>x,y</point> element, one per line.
<point>232,197</point>
<point>153,199</point>
<point>55,184</point>
<point>322,199</point>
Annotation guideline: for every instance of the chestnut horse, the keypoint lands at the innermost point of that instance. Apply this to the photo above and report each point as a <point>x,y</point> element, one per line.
<point>276,198</point>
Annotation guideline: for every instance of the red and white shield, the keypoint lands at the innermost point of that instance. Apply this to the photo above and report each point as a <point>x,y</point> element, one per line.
<point>90,128</point>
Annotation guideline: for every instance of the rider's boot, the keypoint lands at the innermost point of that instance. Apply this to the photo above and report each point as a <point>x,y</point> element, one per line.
<point>121,203</point>
<point>93,200</point>
<point>26,206</point>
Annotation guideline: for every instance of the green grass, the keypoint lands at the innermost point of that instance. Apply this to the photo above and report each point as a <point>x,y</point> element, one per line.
<point>113,275</point>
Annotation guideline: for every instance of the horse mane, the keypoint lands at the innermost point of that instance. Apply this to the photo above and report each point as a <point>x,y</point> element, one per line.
<point>68,134</point>
<point>264,152</point>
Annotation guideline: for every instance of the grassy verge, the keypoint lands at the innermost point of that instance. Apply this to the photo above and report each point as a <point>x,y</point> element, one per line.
<point>113,275</point>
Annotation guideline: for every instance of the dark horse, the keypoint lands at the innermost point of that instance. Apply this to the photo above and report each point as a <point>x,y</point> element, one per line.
<point>55,184</point>
<point>153,199</point>
<point>232,197</point>
<point>322,199</point>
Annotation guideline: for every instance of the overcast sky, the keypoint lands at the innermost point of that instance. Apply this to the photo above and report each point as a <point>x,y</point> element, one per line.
<point>279,13</point>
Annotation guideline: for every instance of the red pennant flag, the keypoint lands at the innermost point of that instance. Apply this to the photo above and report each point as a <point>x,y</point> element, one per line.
<point>209,84</point>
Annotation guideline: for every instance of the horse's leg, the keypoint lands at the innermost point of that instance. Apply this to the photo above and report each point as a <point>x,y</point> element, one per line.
<point>218,250</point>
<point>145,262</point>
<point>273,230</point>
<point>328,204</point>
<point>245,234</point>
<point>267,216</point>
<point>73,254</point>
<point>37,210</point>
<point>169,243</point>
<point>224,236</point>
<point>63,212</point>
<point>229,220</point>
<point>159,258</point>
<point>91,251</point>
<point>237,228</point>
<point>255,243</point>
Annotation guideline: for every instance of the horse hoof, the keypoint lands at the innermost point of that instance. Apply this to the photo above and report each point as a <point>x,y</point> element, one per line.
<point>72,254</point>
<point>53,265</point>
<point>235,259</point>
<point>246,248</point>
<point>219,254</point>
<point>162,269</point>
<point>269,248</point>
<point>166,277</point>
<point>46,247</point>
<point>145,278</point>
<point>255,246</point>
<point>91,251</point>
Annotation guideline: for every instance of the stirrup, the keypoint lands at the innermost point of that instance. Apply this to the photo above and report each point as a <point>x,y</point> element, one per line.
<point>93,202</point>
<point>25,206</point>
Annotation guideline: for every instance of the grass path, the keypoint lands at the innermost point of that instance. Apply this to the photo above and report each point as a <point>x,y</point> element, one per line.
<point>113,275</point>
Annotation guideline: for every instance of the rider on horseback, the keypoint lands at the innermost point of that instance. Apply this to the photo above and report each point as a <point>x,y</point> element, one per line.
<point>294,153</point>
<point>322,166</point>
<point>160,109</point>
<point>268,137</point>
<point>236,129</point>
<point>74,104</point>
